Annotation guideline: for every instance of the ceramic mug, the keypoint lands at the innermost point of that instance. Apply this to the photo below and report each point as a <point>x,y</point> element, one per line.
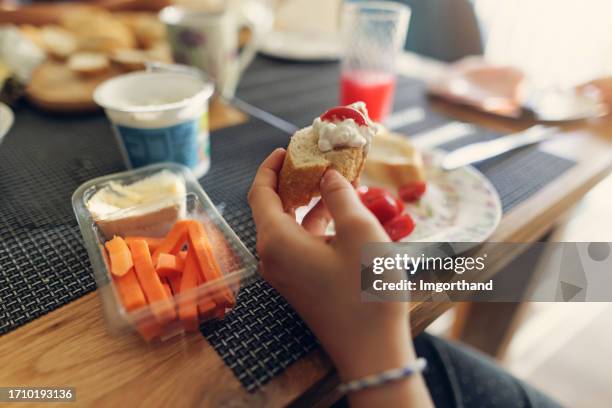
<point>209,41</point>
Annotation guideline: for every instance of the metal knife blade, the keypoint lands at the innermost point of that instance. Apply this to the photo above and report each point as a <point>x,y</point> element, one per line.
<point>477,152</point>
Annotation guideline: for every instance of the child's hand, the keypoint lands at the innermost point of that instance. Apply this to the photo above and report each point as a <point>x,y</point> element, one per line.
<point>320,277</point>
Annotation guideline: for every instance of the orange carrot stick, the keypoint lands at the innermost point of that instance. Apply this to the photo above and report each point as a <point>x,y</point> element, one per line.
<point>168,265</point>
<point>152,287</point>
<point>188,311</point>
<point>130,291</point>
<point>221,247</point>
<point>209,267</point>
<point>174,241</point>
<point>153,243</point>
<point>167,289</point>
<point>218,313</point>
<point>149,329</point>
<point>175,283</point>
<point>206,308</point>
<point>120,257</point>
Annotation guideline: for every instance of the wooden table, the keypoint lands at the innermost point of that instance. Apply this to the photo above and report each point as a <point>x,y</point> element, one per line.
<point>71,347</point>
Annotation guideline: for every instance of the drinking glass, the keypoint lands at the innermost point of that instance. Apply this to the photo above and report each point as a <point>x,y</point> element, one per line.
<point>373,34</point>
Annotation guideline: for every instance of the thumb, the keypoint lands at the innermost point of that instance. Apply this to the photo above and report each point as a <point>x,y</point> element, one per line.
<point>342,201</point>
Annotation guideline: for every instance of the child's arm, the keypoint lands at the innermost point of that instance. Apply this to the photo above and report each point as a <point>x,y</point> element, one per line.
<point>321,280</point>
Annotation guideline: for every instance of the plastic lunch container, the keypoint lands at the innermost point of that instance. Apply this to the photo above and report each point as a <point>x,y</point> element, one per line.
<point>238,265</point>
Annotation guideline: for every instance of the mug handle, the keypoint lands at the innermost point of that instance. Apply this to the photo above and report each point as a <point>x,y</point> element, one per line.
<point>249,50</point>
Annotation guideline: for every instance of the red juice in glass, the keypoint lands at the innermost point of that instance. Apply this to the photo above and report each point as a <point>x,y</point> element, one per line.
<point>376,89</point>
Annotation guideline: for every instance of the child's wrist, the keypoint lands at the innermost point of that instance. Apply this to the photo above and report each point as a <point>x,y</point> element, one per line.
<point>375,353</point>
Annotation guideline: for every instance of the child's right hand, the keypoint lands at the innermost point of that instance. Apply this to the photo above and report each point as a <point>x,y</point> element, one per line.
<point>320,277</point>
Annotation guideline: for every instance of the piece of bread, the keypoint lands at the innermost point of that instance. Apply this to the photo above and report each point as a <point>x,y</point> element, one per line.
<point>305,164</point>
<point>130,60</point>
<point>34,34</point>
<point>98,30</point>
<point>58,42</point>
<point>160,52</point>
<point>89,63</point>
<point>393,160</point>
<point>146,27</point>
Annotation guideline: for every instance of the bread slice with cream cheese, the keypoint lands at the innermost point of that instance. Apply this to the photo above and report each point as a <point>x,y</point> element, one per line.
<point>305,165</point>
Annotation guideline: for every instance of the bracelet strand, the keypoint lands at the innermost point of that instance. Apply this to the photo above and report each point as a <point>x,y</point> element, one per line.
<point>385,377</point>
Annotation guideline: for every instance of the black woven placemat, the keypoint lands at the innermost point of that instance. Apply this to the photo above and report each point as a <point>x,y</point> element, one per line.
<point>512,174</point>
<point>43,264</point>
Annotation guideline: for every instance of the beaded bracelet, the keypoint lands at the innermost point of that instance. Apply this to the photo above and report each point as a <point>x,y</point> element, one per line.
<point>384,377</point>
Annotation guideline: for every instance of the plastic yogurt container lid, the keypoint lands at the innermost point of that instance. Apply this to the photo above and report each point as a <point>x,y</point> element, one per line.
<point>151,91</point>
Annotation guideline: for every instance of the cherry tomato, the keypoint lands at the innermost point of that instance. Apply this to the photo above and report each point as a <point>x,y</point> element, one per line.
<point>369,194</point>
<point>400,205</point>
<point>344,112</point>
<point>380,201</point>
<point>399,227</point>
<point>411,192</point>
<point>384,208</point>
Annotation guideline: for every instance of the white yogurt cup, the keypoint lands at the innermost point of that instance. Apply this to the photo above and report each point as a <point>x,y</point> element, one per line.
<point>159,117</point>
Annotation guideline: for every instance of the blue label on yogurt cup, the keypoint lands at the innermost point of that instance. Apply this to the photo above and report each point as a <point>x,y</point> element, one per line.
<point>185,143</point>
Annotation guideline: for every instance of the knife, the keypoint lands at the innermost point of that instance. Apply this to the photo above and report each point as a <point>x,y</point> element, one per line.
<point>477,152</point>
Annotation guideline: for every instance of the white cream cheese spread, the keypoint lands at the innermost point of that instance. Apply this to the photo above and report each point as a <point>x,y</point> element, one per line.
<point>345,133</point>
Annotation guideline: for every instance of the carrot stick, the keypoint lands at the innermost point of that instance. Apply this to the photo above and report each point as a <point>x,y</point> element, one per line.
<point>218,313</point>
<point>174,241</point>
<point>206,308</point>
<point>167,289</point>
<point>175,280</point>
<point>188,311</point>
<point>175,283</point>
<point>149,330</point>
<point>129,290</point>
<point>152,287</point>
<point>209,268</point>
<point>153,243</point>
<point>206,305</point>
<point>209,309</point>
<point>168,265</point>
<point>221,246</point>
<point>120,257</point>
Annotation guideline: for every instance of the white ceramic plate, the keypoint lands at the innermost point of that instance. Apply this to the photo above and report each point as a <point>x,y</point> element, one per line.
<point>298,46</point>
<point>6,120</point>
<point>459,206</point>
